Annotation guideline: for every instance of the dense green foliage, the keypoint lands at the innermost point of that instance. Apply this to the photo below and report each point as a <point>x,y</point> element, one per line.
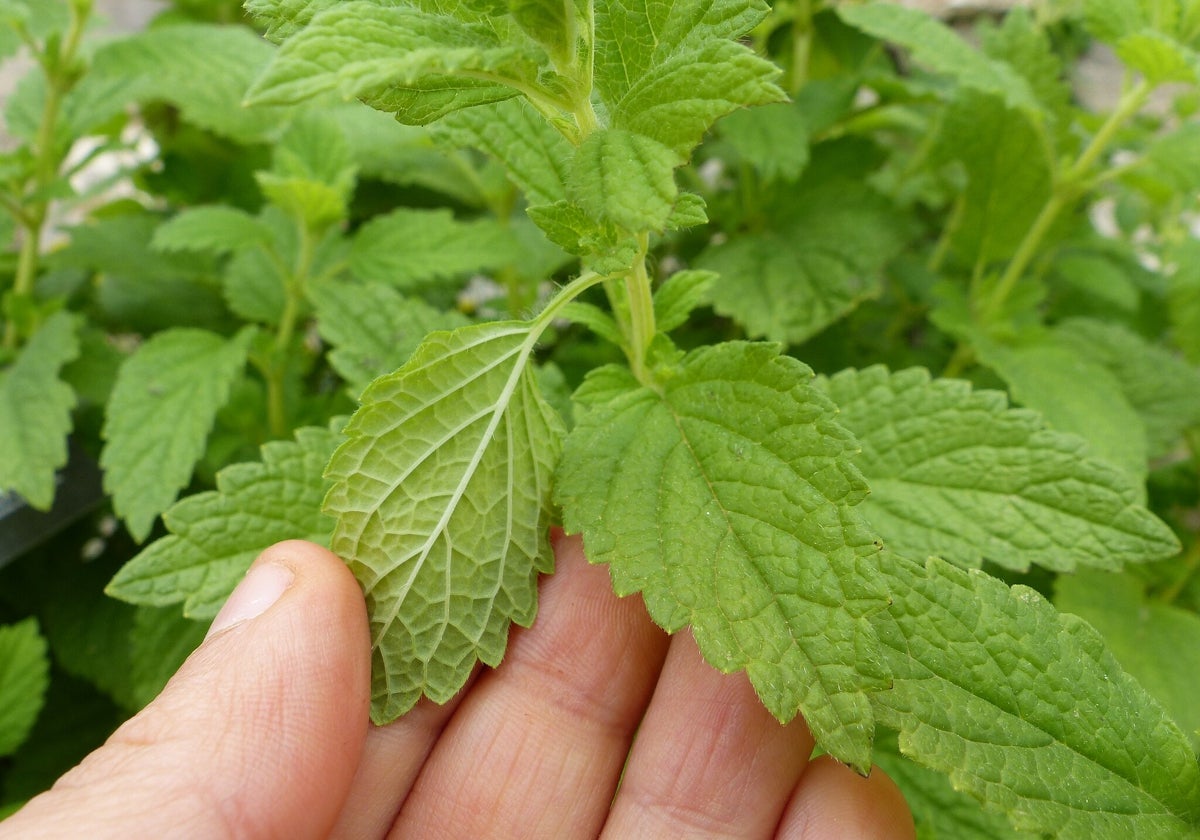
<point>866,350</point>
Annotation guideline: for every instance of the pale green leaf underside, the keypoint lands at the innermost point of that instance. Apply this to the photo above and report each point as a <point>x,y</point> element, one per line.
<point>1025,709</point>
<point>441,494</point>
<point>24,677</point>
<point>958,474</point>
<point>217,534</point>
<point>162,408</point>
<point>724,496</point>
<point>938,47</point>
<point>35,412</point>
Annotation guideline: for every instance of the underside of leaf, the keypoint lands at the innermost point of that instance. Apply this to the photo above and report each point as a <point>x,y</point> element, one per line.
<point>441,494</point>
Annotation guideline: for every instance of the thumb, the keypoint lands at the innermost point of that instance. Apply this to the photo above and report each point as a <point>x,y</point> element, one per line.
<point>257,735</point>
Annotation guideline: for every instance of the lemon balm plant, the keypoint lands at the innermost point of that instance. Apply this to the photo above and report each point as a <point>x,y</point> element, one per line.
<point>720,190</point>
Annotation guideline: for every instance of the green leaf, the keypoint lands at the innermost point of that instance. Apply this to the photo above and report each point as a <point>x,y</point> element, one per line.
<point>283,18</point>
<point>1184,302</point>
<point>1159,58</point>
<point>215,535</point>
<point>35,412</point>
<point>624,179</point>
<point>552,23</point>
<point>536,157</point>
<point>408,247</point>
<point>1009,170</point>
<point>773,139</point>
<point>1157,643</point>
<point>203,70</point>
<point>373,328</point>
<point>571,228</point>
<point>1025,710</point>
<point>815,262</point>
<point>415,64</point>
<point>24,678</point>
<point>939,811</point>
<point>724,495</point>
<point>1161,387</point>
<point>218,229</point>
<point>1074,393</point>
<point>938,47</point>
<point>159,415</point>
<point>1025,45</point>
<point>679,294</point>
<point>595,319</point>
<point>1174,158</point>
<point>957,474</point>
<point>669,71</point>
<point>441,494</point>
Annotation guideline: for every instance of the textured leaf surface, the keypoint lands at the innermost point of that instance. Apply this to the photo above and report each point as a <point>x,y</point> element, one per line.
<point>441,494</point>
<point>625,179</point>
<point>811,266</point>
<point>373,328</point>
<point>668,71</point>
<point>1157,643</point>
<point>417,64</point>
<point>407,247</point>
<point>1074,393</point>
<point>536,156</point>
<point>1027,711</point>
<point>217,534</point>
<point>35,412</point>
<point>24,677</point>
<point>939,811</point>
<point>1161,387</point>
<point>217,229</point>
<point>161,410</point>
<point>773,139</point>
<point>938,47</point>
<point>725,497</point>
<point>956,473</point>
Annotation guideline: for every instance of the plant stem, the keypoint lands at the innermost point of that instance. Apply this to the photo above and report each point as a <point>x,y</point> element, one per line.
<point>1066,190</point>
<point>60,78</point>
<point>275,373</point>
<point>641,310</point>
<point>801,46</point>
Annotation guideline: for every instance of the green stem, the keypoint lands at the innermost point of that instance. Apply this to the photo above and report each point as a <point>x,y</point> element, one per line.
<point>641,310</point>
<point>60,78</point>
<point>1066,190</point>
<point>801,46</point>
<point>276,372</point>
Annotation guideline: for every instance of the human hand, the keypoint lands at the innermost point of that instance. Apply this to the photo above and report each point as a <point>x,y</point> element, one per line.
<point>263,733</point>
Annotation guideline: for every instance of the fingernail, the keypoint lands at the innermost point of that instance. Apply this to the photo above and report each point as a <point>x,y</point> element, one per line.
<point>259,589</point>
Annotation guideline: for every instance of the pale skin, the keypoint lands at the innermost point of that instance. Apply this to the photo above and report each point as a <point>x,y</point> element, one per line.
<point>263,733</point>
